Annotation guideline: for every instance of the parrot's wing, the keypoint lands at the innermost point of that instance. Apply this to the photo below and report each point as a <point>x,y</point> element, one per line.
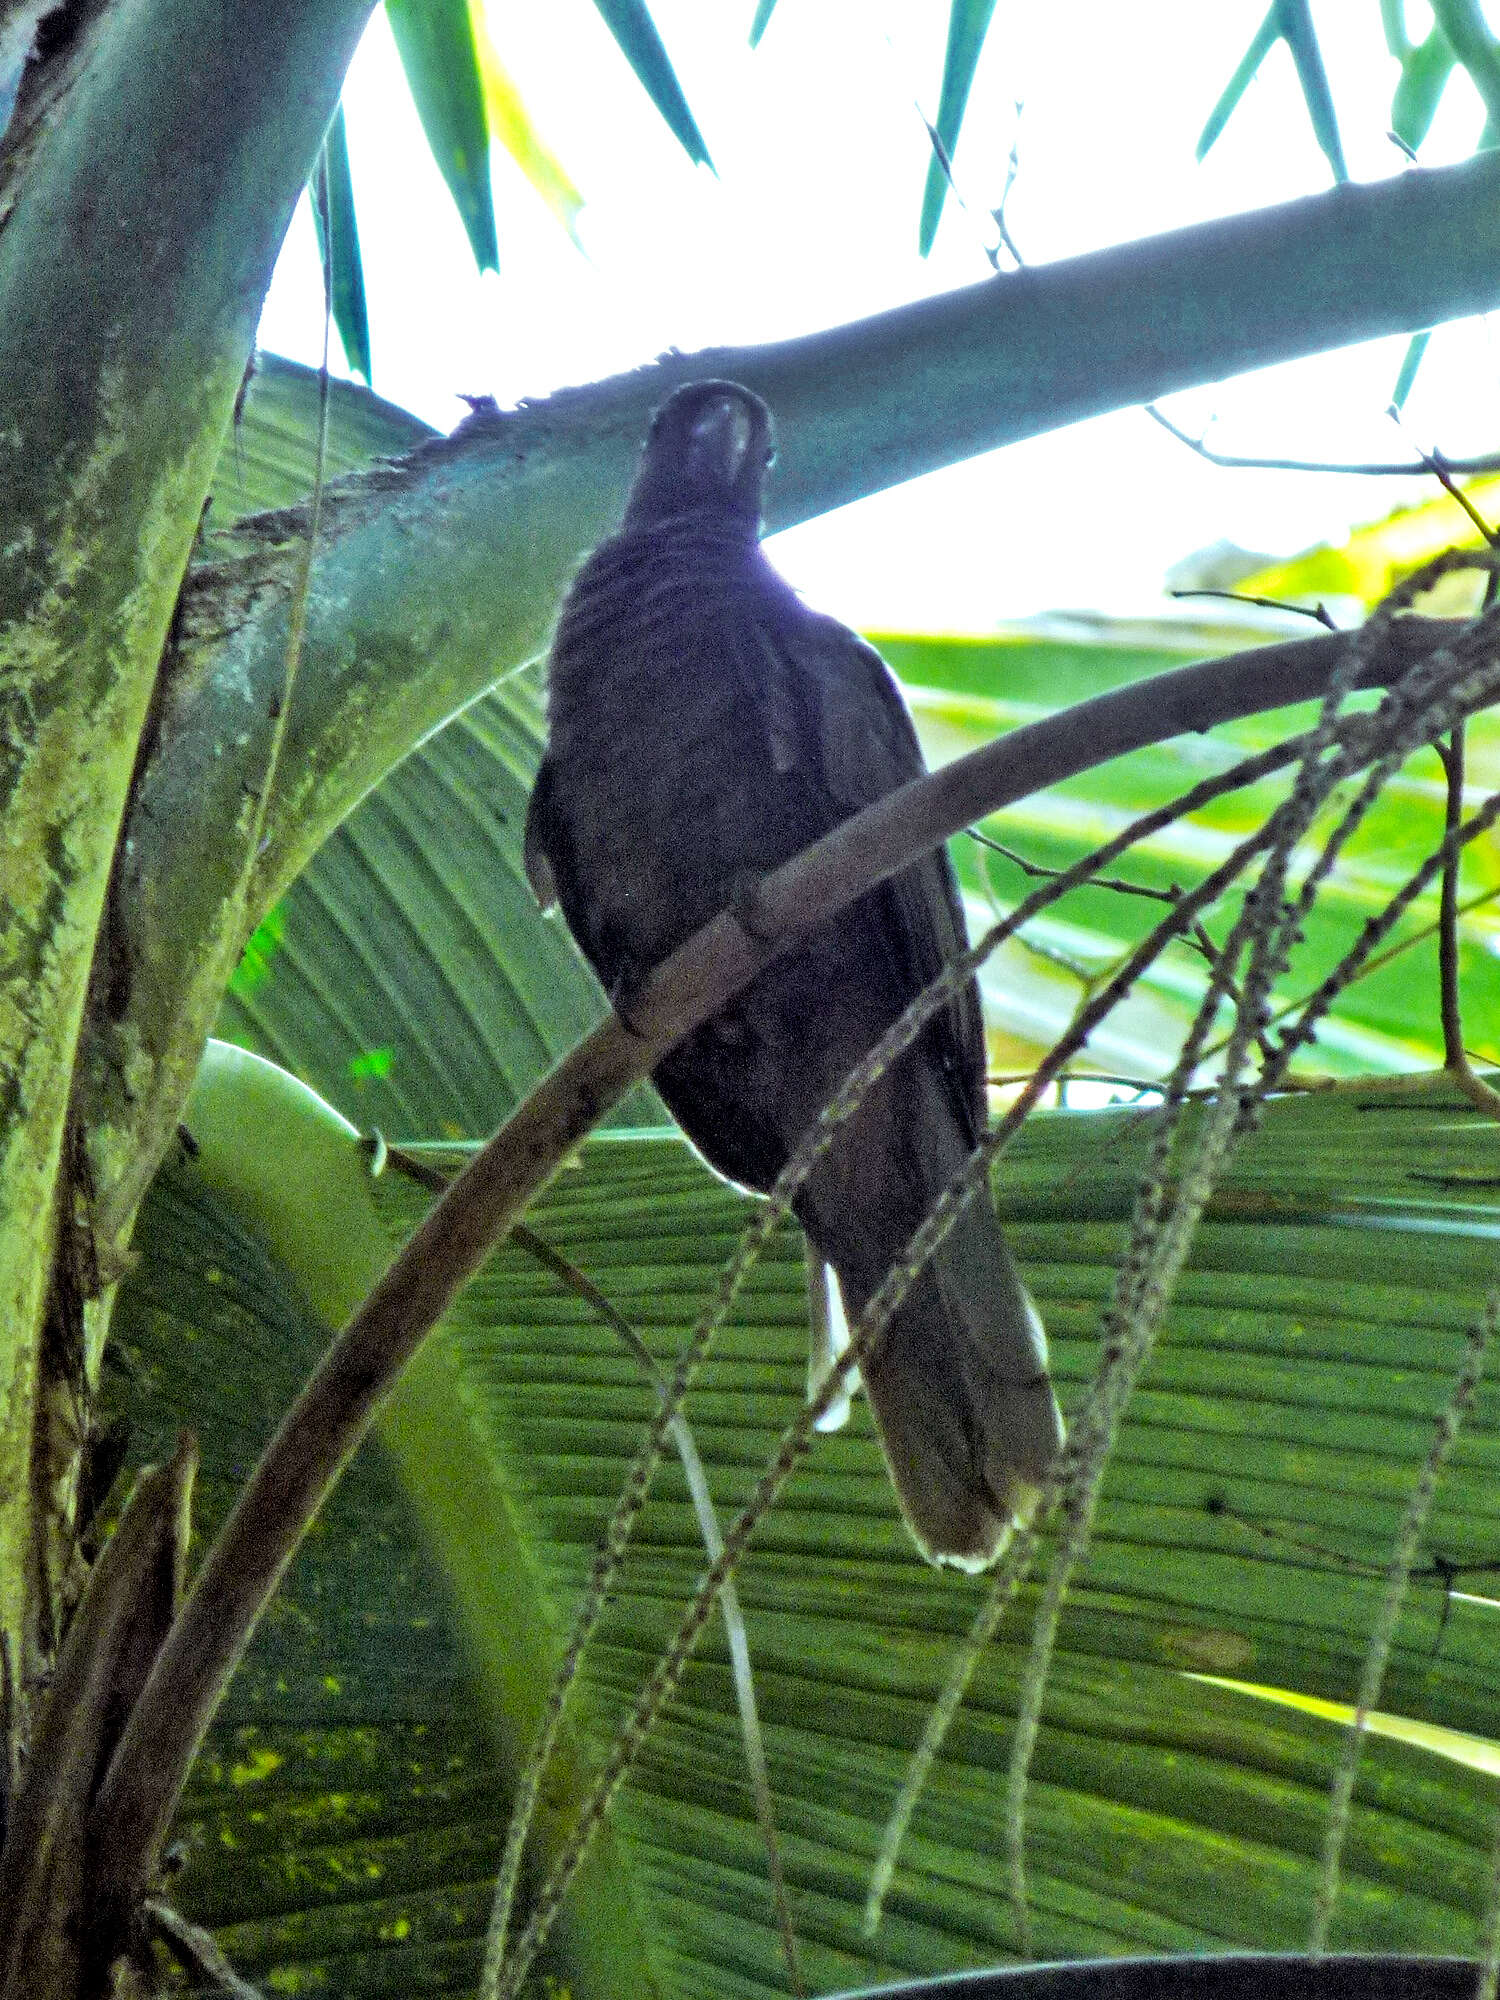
<point>534,845</point>
<point>866,748</point>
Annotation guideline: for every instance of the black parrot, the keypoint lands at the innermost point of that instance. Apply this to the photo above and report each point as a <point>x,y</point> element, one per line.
<point>704,726</point>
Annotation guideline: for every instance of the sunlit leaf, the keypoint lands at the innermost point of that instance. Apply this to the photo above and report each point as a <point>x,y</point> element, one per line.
<point>510,123</point>
<point>1262,42</point>
<point>435,40</point>
<point>338,247</point>
<point>635,31</point>
<point>965,691</point>
<point>1294,19</point>
<point>968,24</point>
<point>1479,1753</point>
<point>1366,565</point>
<point>1411,361</point>
<point>763,12</point>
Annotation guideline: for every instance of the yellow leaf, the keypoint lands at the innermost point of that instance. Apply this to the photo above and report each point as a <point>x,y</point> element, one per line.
<point>510,123</point>
<point>1376,557</point>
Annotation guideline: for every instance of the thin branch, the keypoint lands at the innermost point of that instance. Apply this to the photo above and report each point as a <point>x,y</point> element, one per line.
<point>1451,756</point>
<point>1446,1570</point>
<point>1442,470</point>
<point>1360,954</point>
<point>197,1952</point>
<point>1373,963</point>
<point>997,214</point>
<point>1038,873</point>
<point>1474,690</point>
<point>1319,613</point>
<point>1374,469</point>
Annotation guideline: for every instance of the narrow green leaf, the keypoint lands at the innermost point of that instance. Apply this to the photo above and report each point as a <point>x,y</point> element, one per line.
<point>338,246</point>
<point>762,19</point>
<point>1294,20</point>
<point>1261,44</point>
<point>435,40</point>
<point>1424,77</point>
<point>968,24</point>
<point>642,47</point>
<point>1411,361</point>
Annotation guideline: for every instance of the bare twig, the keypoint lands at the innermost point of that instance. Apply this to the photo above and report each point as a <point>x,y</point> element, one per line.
<point>997,213</point>
<point>1446,1570</point>
<point>1372,963</point>
<point>1038,873</point>
<point>1319,613</point>
<point>1374,470</point>
<point>197,1952</point>
<point>1442,469</point>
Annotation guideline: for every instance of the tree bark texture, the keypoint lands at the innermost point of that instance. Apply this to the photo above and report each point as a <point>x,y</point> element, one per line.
<point>143,217</point>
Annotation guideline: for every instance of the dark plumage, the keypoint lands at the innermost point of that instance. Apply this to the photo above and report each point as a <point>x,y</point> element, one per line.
<point>704,727</point>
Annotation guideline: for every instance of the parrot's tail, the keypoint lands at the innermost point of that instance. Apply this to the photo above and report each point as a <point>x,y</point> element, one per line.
<point>962,1397</point>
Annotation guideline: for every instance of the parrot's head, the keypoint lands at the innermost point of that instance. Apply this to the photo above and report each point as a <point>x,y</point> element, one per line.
<point>707,452</point>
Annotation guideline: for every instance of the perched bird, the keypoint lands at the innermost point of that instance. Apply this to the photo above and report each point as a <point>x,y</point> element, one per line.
<point>703,727</point>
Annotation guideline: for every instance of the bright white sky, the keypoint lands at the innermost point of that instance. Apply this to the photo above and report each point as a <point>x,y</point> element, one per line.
<point>812,219</point>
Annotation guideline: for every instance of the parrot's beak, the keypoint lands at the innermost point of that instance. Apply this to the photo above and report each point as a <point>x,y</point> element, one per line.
<point>719,439</point>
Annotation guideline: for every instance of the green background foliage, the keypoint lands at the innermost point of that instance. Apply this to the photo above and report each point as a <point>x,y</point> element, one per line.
<point>345,1818</point>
